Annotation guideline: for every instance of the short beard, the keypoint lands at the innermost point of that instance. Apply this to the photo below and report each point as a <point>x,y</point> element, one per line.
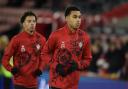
<point>31,32</point>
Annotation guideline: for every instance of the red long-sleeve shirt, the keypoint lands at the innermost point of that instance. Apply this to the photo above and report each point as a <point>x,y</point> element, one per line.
<point>77,45</point>
<point>26,51</point>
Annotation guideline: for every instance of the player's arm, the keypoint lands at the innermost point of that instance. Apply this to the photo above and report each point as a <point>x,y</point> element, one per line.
<point>9,52</point>
<point>43,41</point>
<point>48,50</point>
<point>86,55</point>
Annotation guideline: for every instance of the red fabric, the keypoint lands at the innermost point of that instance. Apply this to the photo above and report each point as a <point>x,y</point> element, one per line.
<point>119,12</point>
<point>26,51</point>
<point>77,44</point>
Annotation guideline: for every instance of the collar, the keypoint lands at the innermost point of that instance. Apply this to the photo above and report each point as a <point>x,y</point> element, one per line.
<point>28,35</point>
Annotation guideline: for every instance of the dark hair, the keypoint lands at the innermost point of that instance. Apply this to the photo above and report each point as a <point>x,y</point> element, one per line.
<point>69,9</point>
<point>28,13</point>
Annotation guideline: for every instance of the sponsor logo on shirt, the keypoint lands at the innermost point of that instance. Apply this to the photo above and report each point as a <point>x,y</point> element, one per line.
<point>38,46</point>
<point>23,48</point>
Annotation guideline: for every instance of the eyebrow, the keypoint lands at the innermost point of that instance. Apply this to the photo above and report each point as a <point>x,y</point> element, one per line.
<point>77,15</point>
<point>31,19</point>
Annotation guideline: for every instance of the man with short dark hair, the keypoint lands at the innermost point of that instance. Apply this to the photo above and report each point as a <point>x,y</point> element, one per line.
<point>26,49</point>
<point>67,51</point>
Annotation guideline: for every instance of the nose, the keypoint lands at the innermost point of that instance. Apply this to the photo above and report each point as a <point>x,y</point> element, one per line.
<point>78,20</point>
<point>32,23</point>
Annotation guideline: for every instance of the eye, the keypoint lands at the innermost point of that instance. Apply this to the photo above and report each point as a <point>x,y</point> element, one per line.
<point>28,21</point>
<point>74,16</point>
<point>79,16</point>
<point>34,21</point>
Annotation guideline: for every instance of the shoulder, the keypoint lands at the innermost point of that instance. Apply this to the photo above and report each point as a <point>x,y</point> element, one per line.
<point>84,34</point>
<point>81,32</point>
<point>57,33</point>
<point>17,37</point>
<point>40,36</point>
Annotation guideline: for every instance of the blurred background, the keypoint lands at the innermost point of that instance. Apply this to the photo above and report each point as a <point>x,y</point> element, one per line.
<point>106,21</point>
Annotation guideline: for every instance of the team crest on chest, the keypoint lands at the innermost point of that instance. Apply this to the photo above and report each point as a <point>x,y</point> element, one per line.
<point>80,44</point>
<point>62,44</point>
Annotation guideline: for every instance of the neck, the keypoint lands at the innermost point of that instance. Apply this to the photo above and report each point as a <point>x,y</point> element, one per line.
<point>29,32</point>
<point>71,29</point>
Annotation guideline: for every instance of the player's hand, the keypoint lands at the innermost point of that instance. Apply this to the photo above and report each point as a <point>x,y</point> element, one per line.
<point>38,72</point>
<point>60,70</point>
<point>14,70</point>
<point>73,67</point>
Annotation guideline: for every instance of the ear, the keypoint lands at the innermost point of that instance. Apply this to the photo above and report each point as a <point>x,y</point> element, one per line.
<point>23,24</point>
<point>66,18</point>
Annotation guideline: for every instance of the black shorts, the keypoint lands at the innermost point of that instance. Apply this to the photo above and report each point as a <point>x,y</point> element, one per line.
<point>53,87</point>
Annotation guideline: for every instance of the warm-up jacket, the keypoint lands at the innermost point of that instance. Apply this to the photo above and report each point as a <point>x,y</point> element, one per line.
<point>26,50</point>
<point>77,47</point>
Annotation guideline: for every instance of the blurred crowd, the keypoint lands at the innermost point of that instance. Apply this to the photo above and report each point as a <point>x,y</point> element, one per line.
<point>91,6</point>
<point>109,42</point>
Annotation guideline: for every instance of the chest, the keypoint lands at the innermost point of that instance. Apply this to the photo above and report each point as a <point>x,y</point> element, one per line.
<point>70,41</point>
<point>29,45</point>
<point>73,43</point>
